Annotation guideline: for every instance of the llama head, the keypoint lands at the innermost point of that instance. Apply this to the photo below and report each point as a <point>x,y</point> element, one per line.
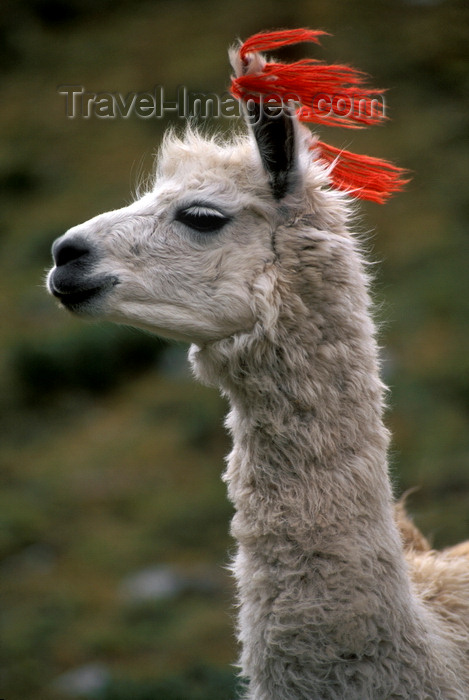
<point>198,257</point>
<point>194,257</point>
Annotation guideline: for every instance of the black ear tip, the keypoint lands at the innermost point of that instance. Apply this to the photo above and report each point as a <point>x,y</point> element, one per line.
<point>274,131</point>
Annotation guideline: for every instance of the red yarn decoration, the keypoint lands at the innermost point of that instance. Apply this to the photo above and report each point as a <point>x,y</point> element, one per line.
<point>363,176</point>
<point>266,41</point>
<point>333,95</point>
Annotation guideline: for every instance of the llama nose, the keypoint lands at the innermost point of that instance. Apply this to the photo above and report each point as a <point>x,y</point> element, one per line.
<point>66,250</point>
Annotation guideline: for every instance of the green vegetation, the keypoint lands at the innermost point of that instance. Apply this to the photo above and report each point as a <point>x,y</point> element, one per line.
<point>196,684</point>
<point>110,456</point>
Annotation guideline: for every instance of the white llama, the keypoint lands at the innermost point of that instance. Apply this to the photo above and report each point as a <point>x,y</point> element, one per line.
<point>242,248</point>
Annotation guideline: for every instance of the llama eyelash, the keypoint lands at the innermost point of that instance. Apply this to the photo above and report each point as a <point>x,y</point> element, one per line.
<point>201,218</point>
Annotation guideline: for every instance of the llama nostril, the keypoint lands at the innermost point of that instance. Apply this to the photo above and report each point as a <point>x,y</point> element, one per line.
<point>67,250</point>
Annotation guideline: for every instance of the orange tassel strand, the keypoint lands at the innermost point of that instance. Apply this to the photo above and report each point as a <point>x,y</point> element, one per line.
<point>363,176</point>
<point>266,41</point>
<point>332,95</point>
<point>311,83</point>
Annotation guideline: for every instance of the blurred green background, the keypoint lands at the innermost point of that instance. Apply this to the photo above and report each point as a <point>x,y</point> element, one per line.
<point>114,521</point>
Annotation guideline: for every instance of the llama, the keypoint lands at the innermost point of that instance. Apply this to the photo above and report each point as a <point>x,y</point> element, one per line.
<point>242,247</point>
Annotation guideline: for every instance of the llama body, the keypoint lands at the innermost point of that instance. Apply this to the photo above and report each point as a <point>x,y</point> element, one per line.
<point>270,288</point>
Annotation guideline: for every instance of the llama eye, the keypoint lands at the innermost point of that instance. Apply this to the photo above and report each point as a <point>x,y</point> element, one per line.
<point>202,219</point>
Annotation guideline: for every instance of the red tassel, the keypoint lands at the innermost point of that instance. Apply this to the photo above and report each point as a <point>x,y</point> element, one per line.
<point>330,95</point>
<point>362,176</point>
<point>333,95</point>
<point>266,41</point>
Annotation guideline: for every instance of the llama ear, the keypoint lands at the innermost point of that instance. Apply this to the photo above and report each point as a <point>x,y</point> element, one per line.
<point>274,130</point>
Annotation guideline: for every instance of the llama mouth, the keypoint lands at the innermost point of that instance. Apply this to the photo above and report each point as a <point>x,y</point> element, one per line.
<point>74,297</point>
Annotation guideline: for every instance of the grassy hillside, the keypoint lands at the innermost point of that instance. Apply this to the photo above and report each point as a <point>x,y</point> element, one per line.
<point>111,455</point>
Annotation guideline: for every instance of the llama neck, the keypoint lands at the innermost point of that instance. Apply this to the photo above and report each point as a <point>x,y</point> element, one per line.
<point>322,583</point>
<point>309,444</point>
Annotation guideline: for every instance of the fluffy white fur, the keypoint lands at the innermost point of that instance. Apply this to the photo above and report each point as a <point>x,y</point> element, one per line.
<point>332,605</point>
